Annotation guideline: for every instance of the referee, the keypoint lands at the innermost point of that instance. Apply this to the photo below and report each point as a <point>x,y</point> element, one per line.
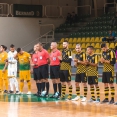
<point>43,60</point>
<point>65,71</point>
<point>35,70</point>
<point>108,60</point>
<point>55,68</point>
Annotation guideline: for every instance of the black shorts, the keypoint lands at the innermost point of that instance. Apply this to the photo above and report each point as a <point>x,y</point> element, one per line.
<point>55,72</point>
<point>107,77</point>
<point>81,78</point>
<point>92,80</point>
<point>35,74</point>
<point>43,72</point>
<point>65,75</point>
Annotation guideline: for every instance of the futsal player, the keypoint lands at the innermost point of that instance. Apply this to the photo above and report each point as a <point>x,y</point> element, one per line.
<point>65,70</point>
<point>3,68</point>
<point>79,60</point>
<point>92,73</point>
<point>24,59</point>
<point>55,68</point>
<point>108,60</point>
<point>35,70</point>
<point>43,60</point>
<point>12,69</point>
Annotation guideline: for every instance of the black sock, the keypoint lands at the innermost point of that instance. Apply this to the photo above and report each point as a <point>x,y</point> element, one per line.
<point>39,88</point>
<point>55,87</point>
<point>47,87</point>
<point>59,88</point>
<point>43,86</point>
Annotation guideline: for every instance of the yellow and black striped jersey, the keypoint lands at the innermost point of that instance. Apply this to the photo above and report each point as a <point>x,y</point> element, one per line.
<point>66,60</point>
<point>92,70</point>
<point>110,56</point>
<point>80,67</point>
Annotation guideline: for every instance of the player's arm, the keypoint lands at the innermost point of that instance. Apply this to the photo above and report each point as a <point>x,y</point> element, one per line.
<point>95,64</point>
<point>69,58</point>
<point>47,57</point>
<point>84,59</point>
<point>102,59</point>
<point>60,56</point>
<point>16,56</point>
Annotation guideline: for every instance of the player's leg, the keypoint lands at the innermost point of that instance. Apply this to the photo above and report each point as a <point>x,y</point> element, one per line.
<point>11,81</point>
<point>92,90</point>
<point>106,87</point>
<point>77,82</point>
<point>1,81</point>
<point>68,80</point>
<point>84,83</point>
<point>59,86</point>
<point>5,77</point>
<point>63,84</point>
<point>112,88</point>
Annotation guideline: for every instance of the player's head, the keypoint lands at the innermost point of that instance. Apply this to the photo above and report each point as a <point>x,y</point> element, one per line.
<point>90,50</point>
<point>12,48</point>
<point>104,47</point>
<point>19,51</point>
<point>78,48</point>
<point>53,45</point>
<point>65,44</point>
<point>3,48</point>
<point>39,46</point>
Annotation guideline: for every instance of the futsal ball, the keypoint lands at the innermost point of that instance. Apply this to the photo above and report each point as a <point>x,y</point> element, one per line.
<point>56,94</point>
<point>43,93</point>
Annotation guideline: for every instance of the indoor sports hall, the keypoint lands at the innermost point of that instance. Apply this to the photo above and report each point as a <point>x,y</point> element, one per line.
<point>25,23</point>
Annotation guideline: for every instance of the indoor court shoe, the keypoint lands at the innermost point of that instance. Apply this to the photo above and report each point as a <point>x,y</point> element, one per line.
<point>111,101</point>
<point>76,98</point>
<point>69,97</point>
<point>16,92</point>
<point>61,98</point>
<point>29,93</point>
<point>84,99</point>
<point>115,103</point>
<point>105,101</point>
<point>91,100</point>
<point>11,92</point>
<point>97,100</point>
<point>5,91</point>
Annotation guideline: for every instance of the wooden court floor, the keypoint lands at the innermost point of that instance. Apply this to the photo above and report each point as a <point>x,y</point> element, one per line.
<point>31,106</point>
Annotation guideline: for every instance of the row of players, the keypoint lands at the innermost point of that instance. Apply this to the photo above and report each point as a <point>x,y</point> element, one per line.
<point>60,67</point>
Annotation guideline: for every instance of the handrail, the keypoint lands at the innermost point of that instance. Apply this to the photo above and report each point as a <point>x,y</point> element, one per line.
<point>7,8</point>
<point>110,3</point>
<point>37,39</point>
<point>11,7</point>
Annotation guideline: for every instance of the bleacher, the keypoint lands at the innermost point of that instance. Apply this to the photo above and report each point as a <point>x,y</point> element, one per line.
<point>91,34</point>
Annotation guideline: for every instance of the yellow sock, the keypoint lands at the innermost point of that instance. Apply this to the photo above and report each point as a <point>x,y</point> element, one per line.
<point>1,84</point>
<point>29,85</point>
<point>21,86</point>
<point>6,84</point>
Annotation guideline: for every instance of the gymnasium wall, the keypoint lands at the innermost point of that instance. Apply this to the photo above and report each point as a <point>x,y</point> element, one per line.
<point>21,31</point>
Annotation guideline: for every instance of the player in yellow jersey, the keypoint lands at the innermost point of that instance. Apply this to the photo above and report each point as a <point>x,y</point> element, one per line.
<point>24,59</point>
<point>3,68</point>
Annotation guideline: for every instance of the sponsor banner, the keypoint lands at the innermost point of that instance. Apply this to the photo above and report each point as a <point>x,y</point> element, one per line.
<point>22,10</point>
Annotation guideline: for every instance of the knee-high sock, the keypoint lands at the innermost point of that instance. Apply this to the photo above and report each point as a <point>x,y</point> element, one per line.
<point>78,91</point>
<point>106,92</point>
<point>47,87</point>
<point>29,85</point>
<point>85,91</point>
<point>55,87</point>
<point>16,84</point>
<point>59,88</point>
<point>63,90</point>
<point>98,92</point>
<point>1,84</point>
<point>6,84</point>
<point>21,86</point>
<point>92,93</point>
<point>70,91</point>
<point>112,92</point>
<point>11,82</point>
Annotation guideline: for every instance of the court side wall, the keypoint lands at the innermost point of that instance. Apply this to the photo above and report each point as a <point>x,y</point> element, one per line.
<point>21,31</point>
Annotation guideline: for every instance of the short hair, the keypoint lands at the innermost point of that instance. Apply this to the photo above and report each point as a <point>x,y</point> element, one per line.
<point>78,45</point>
<point>65,41</point>
<point>12,46</point>
<point>54,43</point>
<point>4,47</point>
<point>40,44</point>
<point>19,50</point>
<point>91,47</point>
<point>103,45</point>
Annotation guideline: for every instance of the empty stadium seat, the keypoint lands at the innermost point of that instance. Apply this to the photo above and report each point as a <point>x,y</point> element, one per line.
<point>92,44</point>
<point>74,40</point>
<point>83,45</point>
<point>70,40</point>
<point>88,44</point>
<point>61,40</point>
<point>112,45</point>
<point>83,39</point>
<point>97,45</point>
<point>97,51</point>
<point>79,40</point>
<point>87,39</point>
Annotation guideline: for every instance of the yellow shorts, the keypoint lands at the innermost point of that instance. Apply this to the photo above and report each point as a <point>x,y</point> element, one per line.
<point>25,75</point>
<point>3,75</point>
